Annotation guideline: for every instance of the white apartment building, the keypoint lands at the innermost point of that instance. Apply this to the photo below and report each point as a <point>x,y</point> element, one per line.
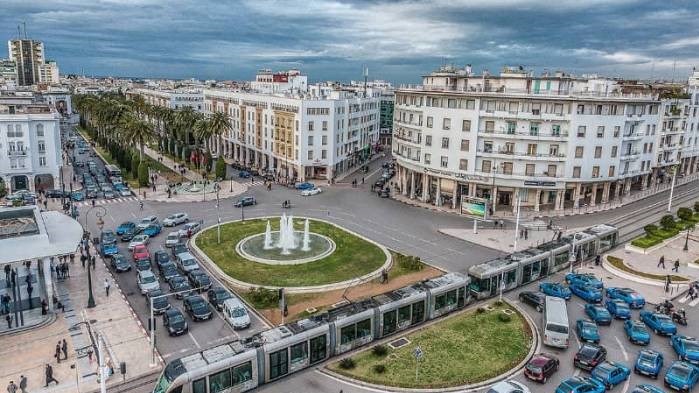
<point>555,141</point>
<point>30,144</point>
<point>48,73</point>
<point>269,82</point>
<point>295,135</point>
<point>173,99</point>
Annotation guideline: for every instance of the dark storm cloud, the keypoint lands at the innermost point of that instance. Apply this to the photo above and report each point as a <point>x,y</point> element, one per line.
<point>397,40</point>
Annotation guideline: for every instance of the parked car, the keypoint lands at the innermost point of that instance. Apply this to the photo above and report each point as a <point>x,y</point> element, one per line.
<point>312,191</point>
<point>145,221</point>
<point>244,174</point>
<point>77,196</point>
<point>304,186</point>
<point>648,362</point>
<point>140,252</point>
<point>119,263</point>
<point>541,366</point>
<point>178,249</point>
<point>618,308</point>
<point>147,281</point>
<point>534,299</point>
<point>179,284</point>
<point>637,332</point>
<point>168,271</point>
<point>107,236</point>
<point>175,219</point>
<point>189,229</point>
<point>598,314</point>
<point>108,248</point>
<point>628,295</point>
<point>384,193</point>
<point>197,308</point>
<point>217,295</point>
<point>587,293</point>
<point>556,290</point>
<point>199,279</point>
<point>124,192</point>
<point>245,201</point>
<point>161,257</point>
<point>143,264</point>
<point>686,348</point>
<point>108,194</point>
<point>681,376</point>
<point>139,240</point>
<point>160,302</point>
<point>589,356</point>
<point>587,330</point>
<point>174,320</point>
<point>152,230</point>
<point>583,279</point>
<point>647,388</point>
<point>659,323</point>
<point>128,235</point>
<point>580,384</point>
<point>172,239</point>
<point>186,262</point>
<point>610,373</point>
<point>509,387</point>
<point>236,314</point>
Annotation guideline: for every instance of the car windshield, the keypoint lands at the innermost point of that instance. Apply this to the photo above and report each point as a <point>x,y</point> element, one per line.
<point>239,312</point>
<point>172,216</point>
<point>638,328</point>
<point>552,327</point>
<point>188,262</point>
<point>691,345</point>
<point>148,279</point>
<point>222,295</point>
<point>172,236</point>
<point>622,306</point>
<point>588,351</point>
<point>662,318</point>
<point>198,306</point>
<point>534,369</point>
<point>176,318</point>
<point>680,372</point>
<point>646,358</point>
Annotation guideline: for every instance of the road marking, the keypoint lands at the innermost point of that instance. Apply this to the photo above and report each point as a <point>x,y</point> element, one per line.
<point>623,350</point>
<point>577,372</point>
<point>577,339</point>
<point>626,384</point>
<point>193,339</point>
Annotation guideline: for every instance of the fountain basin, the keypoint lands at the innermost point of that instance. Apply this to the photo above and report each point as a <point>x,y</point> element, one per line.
<point>253,248</point>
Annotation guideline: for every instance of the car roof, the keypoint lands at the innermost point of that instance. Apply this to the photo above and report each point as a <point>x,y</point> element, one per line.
<point>233,302</point>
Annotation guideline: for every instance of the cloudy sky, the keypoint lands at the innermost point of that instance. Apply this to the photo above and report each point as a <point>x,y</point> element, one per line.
<point>398,40</point>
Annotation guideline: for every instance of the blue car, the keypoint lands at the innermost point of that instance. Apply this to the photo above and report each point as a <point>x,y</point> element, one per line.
<point>628,295</point>
<point>587,330</point>
<point>584,279</point>
<point>637,332</point>
<point>646,388</point>
<point>649,362</point>
<point>587,293</point>
<point>77,196</point>
<point>659,323</point>
<point>618,309</point>
<point>152,230</point>
<point>611,373</point>
<point>681,376</point>
<point>687,348</point>
<point>556,290</point>
<point>304,186</point>
<point>598,314</point>
<point>109,248</point>
<point>125,226</point>
<point>581,385</point>
<point>244,174</point>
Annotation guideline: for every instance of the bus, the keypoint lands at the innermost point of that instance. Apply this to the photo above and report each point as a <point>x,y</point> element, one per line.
<point>112,170</point>
<point>555,323</point>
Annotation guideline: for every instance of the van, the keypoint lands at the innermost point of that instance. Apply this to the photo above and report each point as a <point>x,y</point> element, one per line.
<point>555,322</point>
<point>186,262</point>
<point>236,314</point>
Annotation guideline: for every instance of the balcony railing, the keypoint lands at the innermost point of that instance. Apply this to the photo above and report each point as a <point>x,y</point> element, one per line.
<point>17,153</point>
<point>522,155</point>
<point>562,134</point>
<point>501,173</point>
<point>475,87</point>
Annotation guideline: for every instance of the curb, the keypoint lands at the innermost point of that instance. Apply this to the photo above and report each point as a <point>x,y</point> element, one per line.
<point>27,328</point>
<point>535,348</point>
<point>632,277</point>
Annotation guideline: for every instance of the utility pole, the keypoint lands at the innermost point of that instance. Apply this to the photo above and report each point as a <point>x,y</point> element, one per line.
<point>103,367</point>
<point>672,188</point>
<point>517,223</point>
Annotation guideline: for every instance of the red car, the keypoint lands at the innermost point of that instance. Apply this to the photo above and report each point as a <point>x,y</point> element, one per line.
<point>540,367</point>
<point>141,252</point>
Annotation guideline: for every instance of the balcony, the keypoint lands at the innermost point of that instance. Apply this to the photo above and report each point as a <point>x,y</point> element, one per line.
<point>509,154</point>
<point>632,136</point>
<point>630,155</point>
<point>408,139</point>
<point>519,175</point>
<point>524,135</point>
<point>18,153</point>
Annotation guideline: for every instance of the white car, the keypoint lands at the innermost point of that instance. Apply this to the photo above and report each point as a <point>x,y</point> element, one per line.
<point>125,192</point>
<point>138,240</point>
<point>312,191</point>
<point>236,314</point>
<point>147,281</point>
<point>189,229</point>
<point>175,219</point>
<point>145,222</point>
<point>509,387</point>
<point>172,239</point>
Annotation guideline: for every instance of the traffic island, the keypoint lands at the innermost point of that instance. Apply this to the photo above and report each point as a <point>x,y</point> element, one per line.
<point>465,350</point>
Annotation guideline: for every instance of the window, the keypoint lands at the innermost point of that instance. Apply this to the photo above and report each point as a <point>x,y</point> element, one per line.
<point>485,166</point>
<point>465,144</point>
<point>199,386</point>
<point>42,161</point>
<point>39,130</point>
<point>428,158</point>
<point>324,154</point>
<point>463,164</point>
<point>487,146</point>
<point>428,140</point>
<point>617,130</point>
<point>279,363</point>
<point>579,151</point>
<point>404,315</point>
<point>600,132</point>
<point>220,381</point>
<point>614,151</point>
<point>534,129</point>
<point>310,140</point>
<point>598,151</point>
<point>511,127</point>
<point>581,131</point>
<point>581,109</point>
<point>552,170</point>
<point>576,171</point>
<point>531,149</point>
<point>509,148</point>
<point>556,130</point>
<point>529,169</point>
<point>418,312</point>
<point>325,125</point>
<point>466,125</point>
<point>445,143</point>
<point>324,140</point>
<point>595,171</point>
<point>364,328</point>
<point>507,168</point>
<point>318,349</point>
<point>489,126</point>
<point>611,171</point>
<point>444,161</point>
<point>389,322</point>
<point>553,150</point>
<point>310,154</point>
<point>429,121</point>
<point>310,126</point>
<point>299,353</point>
<point>242,373</point>
<point>42,147</point>
<point>446,123</point>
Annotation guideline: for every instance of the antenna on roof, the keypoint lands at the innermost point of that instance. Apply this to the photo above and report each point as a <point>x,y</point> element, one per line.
<point>19,33</point>
<point>25,29</point>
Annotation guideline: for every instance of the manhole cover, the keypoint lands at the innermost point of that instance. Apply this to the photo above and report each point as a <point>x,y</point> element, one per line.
<point>401,342</point>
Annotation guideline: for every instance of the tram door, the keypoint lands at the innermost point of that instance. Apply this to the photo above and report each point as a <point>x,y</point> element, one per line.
<point>545,267</point>
<point>495,285</point>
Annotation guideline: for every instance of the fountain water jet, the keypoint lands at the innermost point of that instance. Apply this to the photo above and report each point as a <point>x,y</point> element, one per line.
<point>306,237</point>
<point>268,237</point>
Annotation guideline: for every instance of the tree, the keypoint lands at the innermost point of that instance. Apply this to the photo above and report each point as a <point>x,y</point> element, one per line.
<point>143,174</point>
<point>135,162</point>
<point>696,207</point>
<point>220,168</point>
<point>136,131</point>
<point>668,222</point>
<point>685,213</point>
<point>208,161</point>
<point>3,190</point>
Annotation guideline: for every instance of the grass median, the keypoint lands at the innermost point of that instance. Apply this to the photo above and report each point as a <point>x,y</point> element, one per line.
<point>619,264</point>
<point>465,349</point>
<point>353,257</point>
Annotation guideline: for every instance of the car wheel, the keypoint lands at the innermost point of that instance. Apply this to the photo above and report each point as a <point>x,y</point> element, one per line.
<point>545,379</point>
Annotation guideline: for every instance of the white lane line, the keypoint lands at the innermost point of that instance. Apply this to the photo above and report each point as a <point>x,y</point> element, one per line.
<point>577,372</point>
<point>193,339</point>
<point>623,350</point>
<point>577,339</point>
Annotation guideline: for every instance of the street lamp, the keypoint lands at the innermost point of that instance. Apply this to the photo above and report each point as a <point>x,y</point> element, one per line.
<point>573,257</point>
<point>218,216</point>
<point>686,239</point>
<point>101,212</point>
<point>672,187</point>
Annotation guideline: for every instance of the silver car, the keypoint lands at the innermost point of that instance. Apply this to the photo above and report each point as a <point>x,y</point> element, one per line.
<point>138,240</point>
<point>172,239</point>
<point>145,222</point>
<point>176,219</point>
<point>190,229</point>
<point>147,281</point>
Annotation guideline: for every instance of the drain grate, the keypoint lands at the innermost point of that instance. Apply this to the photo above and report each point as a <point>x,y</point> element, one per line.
<point>311,310</point>
<point>401,342</point>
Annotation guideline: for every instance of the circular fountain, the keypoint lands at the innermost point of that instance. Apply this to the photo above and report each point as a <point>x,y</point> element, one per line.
<point>286,246</point>
<point>191,188</point>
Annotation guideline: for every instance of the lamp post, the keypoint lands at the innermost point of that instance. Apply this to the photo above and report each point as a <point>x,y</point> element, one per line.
<point>573,255</point>
<point>101,212</point>
<point>686,239</point>
<point>672,188</point>
<point>218,217</point>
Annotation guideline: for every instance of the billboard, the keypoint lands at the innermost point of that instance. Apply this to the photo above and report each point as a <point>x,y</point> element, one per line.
<point>475,207</point>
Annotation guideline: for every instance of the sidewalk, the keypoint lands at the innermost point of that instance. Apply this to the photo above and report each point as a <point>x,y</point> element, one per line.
<point>648,263</point>
<point>168,162</point>
<point>357,173</point>
<point>501,239</point>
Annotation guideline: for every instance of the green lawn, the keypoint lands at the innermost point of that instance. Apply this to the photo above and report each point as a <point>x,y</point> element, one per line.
<point>619,264</point>
<point>465,349</point>
<point>353,256</point>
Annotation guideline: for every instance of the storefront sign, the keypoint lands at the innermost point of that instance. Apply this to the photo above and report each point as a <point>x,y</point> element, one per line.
<point>476,207</point>
<point>540,183</point>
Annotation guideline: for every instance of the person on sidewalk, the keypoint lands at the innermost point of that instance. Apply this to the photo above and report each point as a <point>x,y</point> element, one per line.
<point>64,348</point>
<point>23,383</point>
<point>676,267</point>
<point>8,318</point>
<point>93,262</point>
<point>7,275</point>
<point>661,261</point>
<point>668,281</point>
<point>57,355</point>
<point>49,375</point>
<point>106,286</point>
<point>12,387</point>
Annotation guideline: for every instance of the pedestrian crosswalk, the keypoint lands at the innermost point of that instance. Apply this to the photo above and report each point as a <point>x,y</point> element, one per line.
<point>685,301</point>
<point>255,183</point>
<point>106,201</point>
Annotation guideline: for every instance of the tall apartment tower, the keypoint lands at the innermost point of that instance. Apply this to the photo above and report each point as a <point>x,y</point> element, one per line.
<point>29,57</point>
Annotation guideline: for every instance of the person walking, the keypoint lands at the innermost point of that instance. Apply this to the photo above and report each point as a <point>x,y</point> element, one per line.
<point>64,349</point>
<point>57,355</point>
<point>668,281</point>
<point>7,274</point>
<point>12,387</point>
<point>106,286</point>
<point>23,383</point>
<point>93,262</point>
<point>676,267</point>
<point>30,289</point>
<point>661,261</point>
<point>83,258</point>
<point>8,318</point>
<point>49,375</point>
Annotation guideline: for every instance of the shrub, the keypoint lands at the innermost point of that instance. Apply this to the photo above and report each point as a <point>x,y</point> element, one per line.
<point>347,363</point>
<point>685,213</point>
<point>650,229</point>
<point>264,298</point>
<point>379,350</point>
<point>498,303</point>
<point>480,310</point>
<point>143,174</point>
<point>668,222</point>
<point>696,207</point>
<point>504,317</point>
<point>379,368</point>
<point>220,168</point>
<point>410,262</point>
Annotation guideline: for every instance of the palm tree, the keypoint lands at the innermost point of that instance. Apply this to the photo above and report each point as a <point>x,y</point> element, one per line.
<point>219,123</point>
<point>137,131</point>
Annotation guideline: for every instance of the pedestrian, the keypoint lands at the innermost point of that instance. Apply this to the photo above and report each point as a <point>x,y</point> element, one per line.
<point>64,348</point>
<point>5,302</point>
<point>58,271</point>
<point>57,355</point>
<point>106,286</point>
<point>93,203</point>
<point>140,205</point>
<point>8,318</point>
<point>46,204</point>
<point>93,261</point>
<point>526,234</point>
<point>13,277</point>
<point>89,355</point>
<point>661,261</point>
<point>668,281</point>
<point>72,259</point>
<point>597,260</point>
<point>49,375</point>
<point>30,289</point>
<point>676,267</point>
<point>23,383</point>
<point>44,307</point>
<point>83,258</point>
<point>362,179</point>
<point>12,387</point>
<point>153,187</point>
<point>7,274</point>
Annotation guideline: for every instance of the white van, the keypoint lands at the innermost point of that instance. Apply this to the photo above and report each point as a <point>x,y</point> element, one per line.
<point>555,323</point>
<point>236,314</point>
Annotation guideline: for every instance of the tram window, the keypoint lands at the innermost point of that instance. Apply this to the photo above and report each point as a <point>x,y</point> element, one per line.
<point>199,386</point>
<point>364,328</point>
<point>511,277</point>
<point>536,268</point>
<point>561,258</point>
<point>278,364</point>
<point>299,352</point>
<point>451,297</point>
<point>220,381</point>
<point>440,302</point>
<point>242,373</point>
<point>317,349</point>
<point>480,284</point>
<point>347,334</point>
<point>404,314</point>
<point>389,322</point>
<point>418,312</point>
<point>526,273</point>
